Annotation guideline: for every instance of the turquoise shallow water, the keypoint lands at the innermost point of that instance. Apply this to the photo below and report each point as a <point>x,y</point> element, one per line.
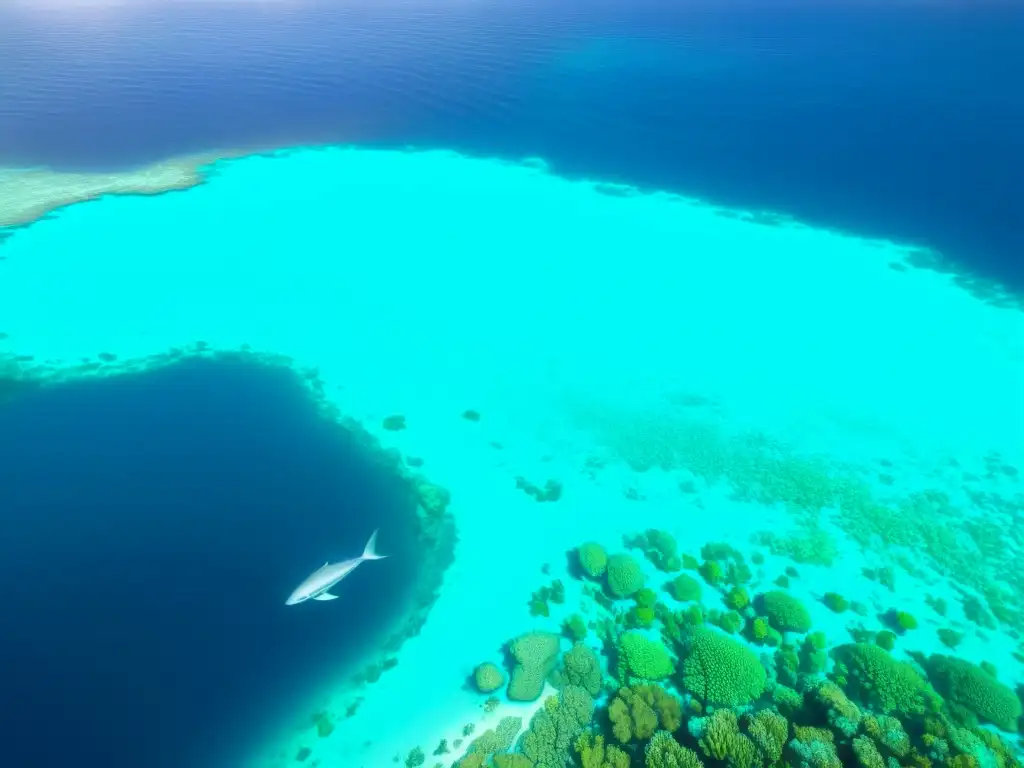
<point>789,415</point>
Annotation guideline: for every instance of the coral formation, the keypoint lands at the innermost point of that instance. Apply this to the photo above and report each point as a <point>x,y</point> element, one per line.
<point>535,655</point>
<point>659,547</point>
<point>684,588</point>
<point>720,670</point>
<point>594,753</point>
<point>784,612</point>
<point>699,695</point>
<point>488,677</point>
<point>624,575</point>
<point>974,689</point>
<point>556,726</point>
<point>869,674</point>
<point>642,659</point>
<point>592,558</point>
<point>663,751</point>
<point>835,602</point>
<point>582,668</point>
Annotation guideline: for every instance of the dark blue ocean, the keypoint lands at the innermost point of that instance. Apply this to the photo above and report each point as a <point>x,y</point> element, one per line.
<point>151,528</point>
<point>902,119</point>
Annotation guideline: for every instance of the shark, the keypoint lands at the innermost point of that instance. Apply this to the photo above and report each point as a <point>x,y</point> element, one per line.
<point>318,584</point>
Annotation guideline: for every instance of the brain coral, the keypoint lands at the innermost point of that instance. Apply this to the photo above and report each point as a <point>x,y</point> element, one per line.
<point>970,686</point>
<point>624,575</point>
<point>720,670</point>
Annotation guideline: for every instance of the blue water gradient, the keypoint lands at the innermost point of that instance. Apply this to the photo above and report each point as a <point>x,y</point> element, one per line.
<point>152,528</point>
<point>901,120</point>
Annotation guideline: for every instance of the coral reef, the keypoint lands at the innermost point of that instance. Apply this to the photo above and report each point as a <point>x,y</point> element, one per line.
<point>701,696</point>
<point>535,654</point>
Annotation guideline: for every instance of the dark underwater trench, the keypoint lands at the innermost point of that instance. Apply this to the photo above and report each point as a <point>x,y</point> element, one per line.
<point>152,526</point>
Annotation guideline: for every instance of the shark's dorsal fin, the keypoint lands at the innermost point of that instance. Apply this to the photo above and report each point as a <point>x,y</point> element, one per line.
<point>326,596</point>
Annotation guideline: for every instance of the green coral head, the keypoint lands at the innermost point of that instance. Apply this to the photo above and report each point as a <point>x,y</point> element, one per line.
<point>835,602</point>
<point>488,677</point>
<point>645,597</point>
<point>684,588</point>
<point>575,627</point>
<point>784,612</point>
<point>900,621</point>
<point>721,671</point>
<point>885,639</point>
<point>969,686</point>
<point>592,558</point>
<point>759,629</point>
<point>871,676</point>
<point>712,572</point>
<point>624,574</point>
<point>737,598</point>
<point>641,658</point>
<point>640,616</point>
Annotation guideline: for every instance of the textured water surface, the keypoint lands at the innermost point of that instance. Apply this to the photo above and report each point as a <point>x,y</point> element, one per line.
<point>900,121</point>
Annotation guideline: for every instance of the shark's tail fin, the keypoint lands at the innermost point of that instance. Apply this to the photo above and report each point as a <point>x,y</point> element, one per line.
<point>370,551</point>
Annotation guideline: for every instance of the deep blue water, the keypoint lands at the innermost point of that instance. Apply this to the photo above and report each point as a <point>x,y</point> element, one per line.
<point>151,528</point>
<point>902,119</point>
